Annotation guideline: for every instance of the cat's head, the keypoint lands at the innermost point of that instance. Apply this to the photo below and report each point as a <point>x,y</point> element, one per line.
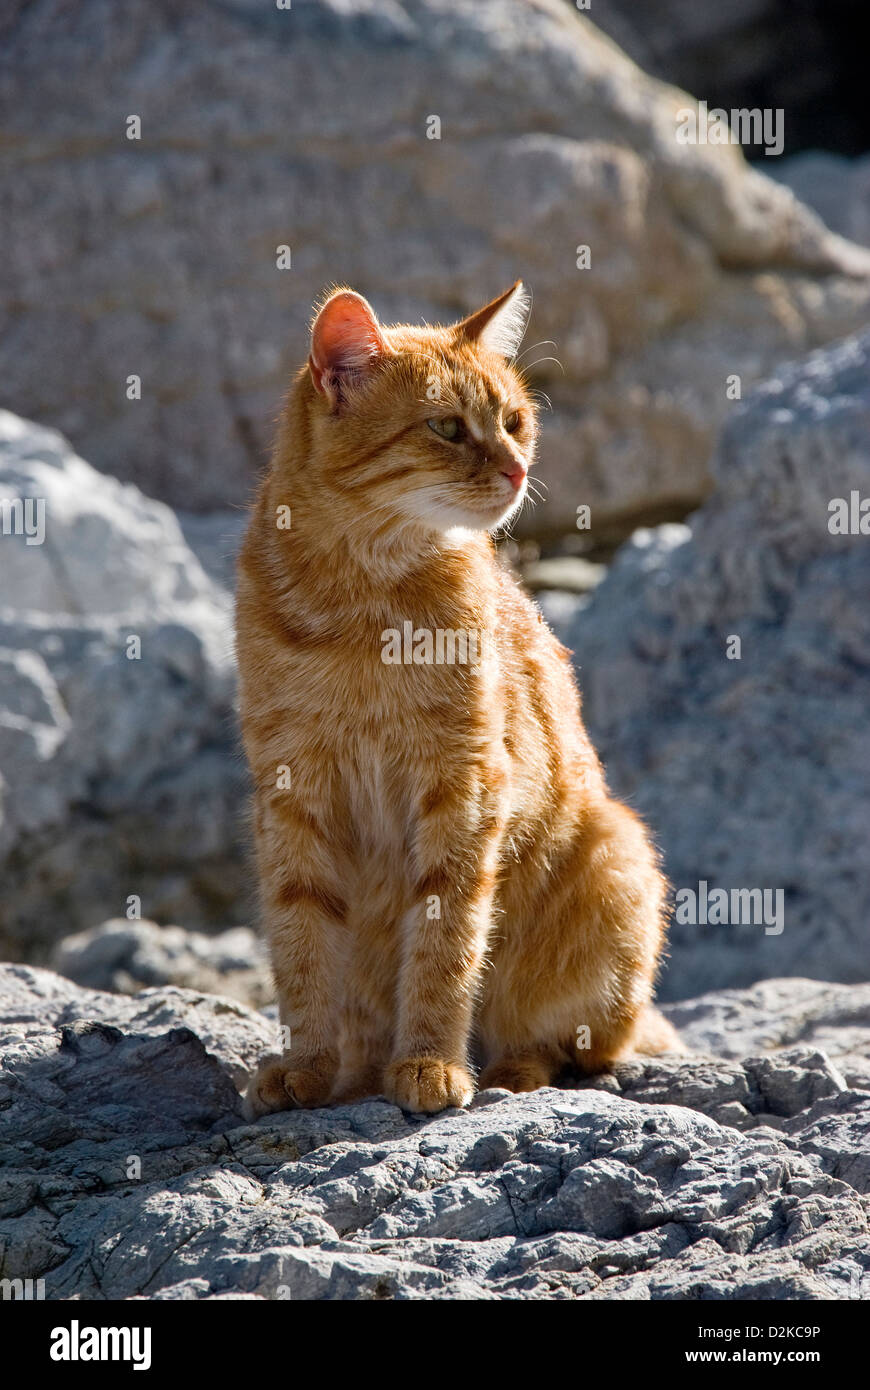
<point>425,426</point>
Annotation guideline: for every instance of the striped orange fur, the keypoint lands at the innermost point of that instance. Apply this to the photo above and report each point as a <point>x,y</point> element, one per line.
<point>445,880</point>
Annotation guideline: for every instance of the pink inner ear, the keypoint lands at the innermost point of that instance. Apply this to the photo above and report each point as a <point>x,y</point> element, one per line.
<point>346,334</point>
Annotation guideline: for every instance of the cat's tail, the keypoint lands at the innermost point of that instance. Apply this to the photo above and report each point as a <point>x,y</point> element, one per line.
<point>653,1035</point>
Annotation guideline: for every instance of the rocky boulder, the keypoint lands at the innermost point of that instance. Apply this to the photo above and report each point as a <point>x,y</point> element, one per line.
<point>127,957</point>
<point>775,1015</point>
<point>128,1171</point>
<point>725,669</point>
<point>426,151</point>
<point>120,778</point>
<point>835,187</point>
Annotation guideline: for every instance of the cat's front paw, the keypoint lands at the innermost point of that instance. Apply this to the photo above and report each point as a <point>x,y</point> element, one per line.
<point>426,1084</point>
<point>282,1083</point>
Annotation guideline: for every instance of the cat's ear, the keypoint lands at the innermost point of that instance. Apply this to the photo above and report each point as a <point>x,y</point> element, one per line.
<point>500,325</point>
<point>346,341</point>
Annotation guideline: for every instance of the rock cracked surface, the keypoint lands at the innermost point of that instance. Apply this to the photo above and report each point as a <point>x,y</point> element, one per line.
<point>681,1178</point>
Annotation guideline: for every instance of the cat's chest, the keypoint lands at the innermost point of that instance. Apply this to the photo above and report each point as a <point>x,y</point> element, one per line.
<point>404,672</point>
<point>423,734</point>
<point>426,696</point>
<point>415,712</point>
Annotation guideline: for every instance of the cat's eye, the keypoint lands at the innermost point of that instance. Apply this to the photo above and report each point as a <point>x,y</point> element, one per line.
<point>511,422</point>
<point>449,427</point>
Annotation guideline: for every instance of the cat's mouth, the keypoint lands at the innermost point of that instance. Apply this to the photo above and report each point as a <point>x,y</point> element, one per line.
<point>497,510</point>
<point>469,507</point>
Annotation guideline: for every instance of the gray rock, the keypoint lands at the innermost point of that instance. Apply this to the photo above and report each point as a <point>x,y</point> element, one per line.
<point>120,773</point>
<point>215,539</point>
<point>129,1173</point>
<point>127,956</point>
<point>565,573</point>
<point>778,1014</point>
<point>107,550</point>
<point>753,772</point>
<point>835,187</point>
<point>36,1000</point>
<point>307,128</point>
<point>755,1091</point>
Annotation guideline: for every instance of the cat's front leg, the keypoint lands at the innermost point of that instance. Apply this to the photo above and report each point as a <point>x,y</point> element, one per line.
<point>305,917</point>
<point>444,937</point>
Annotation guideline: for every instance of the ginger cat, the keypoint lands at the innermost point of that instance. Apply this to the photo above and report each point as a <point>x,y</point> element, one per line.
<point>441,865</point>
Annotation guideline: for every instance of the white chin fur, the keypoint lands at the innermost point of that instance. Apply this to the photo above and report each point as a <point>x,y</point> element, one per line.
<point>466,523</point>
<point>458,535</point>
<point>458,524</point>
<point>514,507</point>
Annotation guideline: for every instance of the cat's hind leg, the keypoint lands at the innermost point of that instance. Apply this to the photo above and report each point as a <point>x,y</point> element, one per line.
<point>573,964</point>
<point>523,1071</point>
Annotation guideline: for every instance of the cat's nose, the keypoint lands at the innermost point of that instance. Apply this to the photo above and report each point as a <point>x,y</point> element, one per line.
<point>516,474</point>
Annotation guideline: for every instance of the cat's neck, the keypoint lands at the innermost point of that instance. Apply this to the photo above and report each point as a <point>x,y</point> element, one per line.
<point>374,559</point>
<point>338,582</point>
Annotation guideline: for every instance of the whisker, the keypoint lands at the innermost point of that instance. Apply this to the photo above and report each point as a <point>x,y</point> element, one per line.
<point>531,365</point>
<point>545,342</point>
